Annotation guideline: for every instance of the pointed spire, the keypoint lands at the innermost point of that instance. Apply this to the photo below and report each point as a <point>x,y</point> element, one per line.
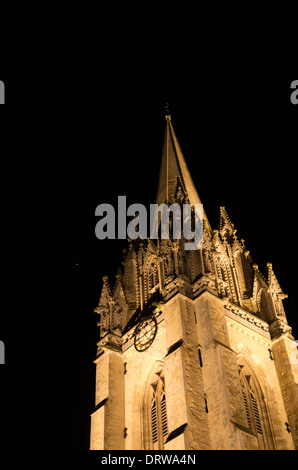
<point>273,283</point>
<point>174,170</point>
<point>225,219</point>
<point>227,228</point>
<point>173,165</point>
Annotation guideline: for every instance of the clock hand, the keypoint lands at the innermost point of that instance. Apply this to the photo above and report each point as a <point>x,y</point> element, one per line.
<point>144,334</point>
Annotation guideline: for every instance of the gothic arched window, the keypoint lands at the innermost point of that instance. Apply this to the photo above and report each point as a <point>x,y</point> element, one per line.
<point>158,415</point>
<point>255,409</point>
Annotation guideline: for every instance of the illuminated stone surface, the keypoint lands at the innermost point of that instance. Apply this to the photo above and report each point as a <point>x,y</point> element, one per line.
<point>241,389</point>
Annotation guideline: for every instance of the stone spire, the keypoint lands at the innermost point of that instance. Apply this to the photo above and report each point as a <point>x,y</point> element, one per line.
<point>174,171</point>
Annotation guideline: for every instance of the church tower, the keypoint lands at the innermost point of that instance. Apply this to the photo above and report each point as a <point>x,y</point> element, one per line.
<point>195,351</point>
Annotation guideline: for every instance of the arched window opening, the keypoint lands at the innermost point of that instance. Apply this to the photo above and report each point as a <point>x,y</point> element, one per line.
<point>251,405</point>
<point>255,409</point>
<point>158,415</point>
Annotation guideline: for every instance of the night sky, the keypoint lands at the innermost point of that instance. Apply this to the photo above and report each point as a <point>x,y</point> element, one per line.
<point>84,123</point>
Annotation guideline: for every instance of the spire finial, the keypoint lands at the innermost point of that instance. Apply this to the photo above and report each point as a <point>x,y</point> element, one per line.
<point>167,111</point>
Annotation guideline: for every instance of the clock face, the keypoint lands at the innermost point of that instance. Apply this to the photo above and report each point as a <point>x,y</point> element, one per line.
<point>145,333</point>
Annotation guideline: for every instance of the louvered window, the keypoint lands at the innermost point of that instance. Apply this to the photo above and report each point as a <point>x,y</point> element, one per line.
<point>251,405</point>
<point>257,420</point>
<point>256,414</point>
<point>154,421</point>
<point>159,420</point>
<point>246,406</point>
<point>163,412</point>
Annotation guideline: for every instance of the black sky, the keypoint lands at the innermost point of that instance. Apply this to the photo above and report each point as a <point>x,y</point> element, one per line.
<point>85,90</point>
